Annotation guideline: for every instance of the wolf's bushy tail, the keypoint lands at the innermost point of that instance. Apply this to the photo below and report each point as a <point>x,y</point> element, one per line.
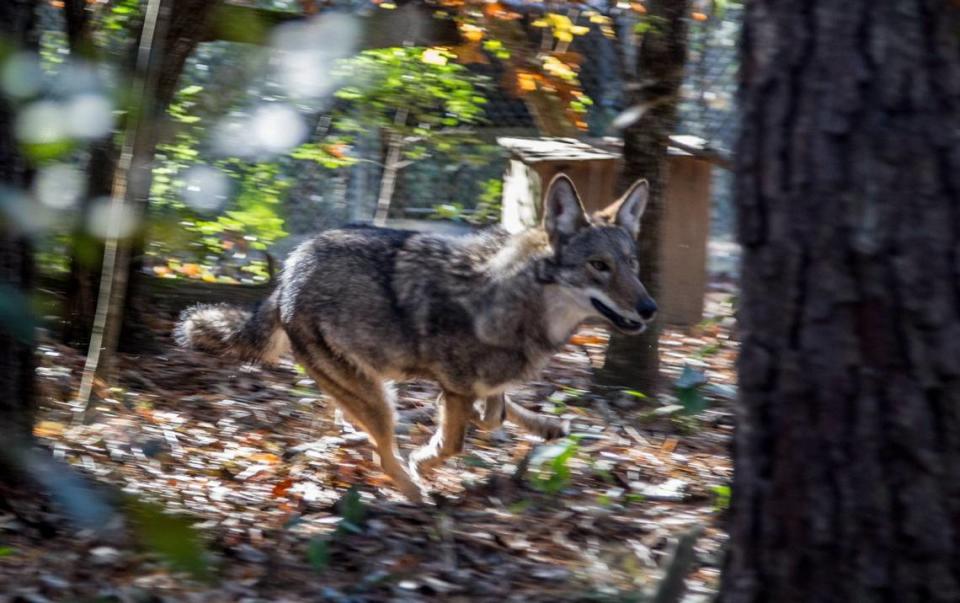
<point>232,332</point>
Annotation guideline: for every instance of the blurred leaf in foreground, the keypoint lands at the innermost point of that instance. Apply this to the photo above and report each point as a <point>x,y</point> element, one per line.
<point>169,536</point>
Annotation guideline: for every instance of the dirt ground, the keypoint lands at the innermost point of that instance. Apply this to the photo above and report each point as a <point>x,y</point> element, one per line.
<point>256,461</point>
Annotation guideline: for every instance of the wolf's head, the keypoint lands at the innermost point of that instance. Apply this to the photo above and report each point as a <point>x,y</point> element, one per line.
<point>595,258</point>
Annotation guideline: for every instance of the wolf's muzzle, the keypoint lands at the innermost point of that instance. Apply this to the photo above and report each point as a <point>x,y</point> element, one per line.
<point>621,322</point>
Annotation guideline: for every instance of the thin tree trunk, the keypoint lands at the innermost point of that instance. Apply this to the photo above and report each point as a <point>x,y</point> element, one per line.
<point>653,86</point>
<point>390,168</point>
<point>847,455</point>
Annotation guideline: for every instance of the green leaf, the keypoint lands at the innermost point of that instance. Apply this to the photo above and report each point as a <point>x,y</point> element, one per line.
<point>352,509</point>
<point>692,400</point>
<point>472,460</point>
<point>6,551</point>
<point>720,8</point>
<point>520,506</point>
<point>549,471</point>
<point>722,494</point>
<point>318,554</point>
<point>171,537</point>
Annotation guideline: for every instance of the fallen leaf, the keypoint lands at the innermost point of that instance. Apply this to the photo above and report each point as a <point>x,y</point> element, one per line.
<point>280,488</point>
<point>48,429</point>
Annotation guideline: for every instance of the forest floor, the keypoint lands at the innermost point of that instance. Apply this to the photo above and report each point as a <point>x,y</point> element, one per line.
<point>254,458</point>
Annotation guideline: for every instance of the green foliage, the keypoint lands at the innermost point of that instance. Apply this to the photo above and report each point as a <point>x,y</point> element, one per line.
<point>549,471</point>
<point>7,551</point>
<point>250,220</point>
<point>318,553</point>
<point>520,507</point>
<point>721,497</point>
<point>120,15</point>
<point>489,204</point>
<point>352,519</point>
<point>688,387</point>
<point>419,95</point>
<point>172,538</point>
<point>352,511</point>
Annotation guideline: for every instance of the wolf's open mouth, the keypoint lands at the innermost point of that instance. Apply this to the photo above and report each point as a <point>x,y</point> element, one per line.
<point>624,324</point>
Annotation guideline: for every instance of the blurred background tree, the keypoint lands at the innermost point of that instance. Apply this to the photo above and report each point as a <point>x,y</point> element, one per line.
<point>17,402</point>
<point>652,72</point>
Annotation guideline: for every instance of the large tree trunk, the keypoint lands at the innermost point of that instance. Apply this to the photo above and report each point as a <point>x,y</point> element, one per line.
<point>652,88</point>
<point>17,20</point>
<point>847,454</point>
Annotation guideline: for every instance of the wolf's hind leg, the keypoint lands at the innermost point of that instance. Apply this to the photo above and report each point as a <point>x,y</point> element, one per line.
<point>493,415</point>
<point>455,414</point>
<point>366,401</point>
<point>548,428</point>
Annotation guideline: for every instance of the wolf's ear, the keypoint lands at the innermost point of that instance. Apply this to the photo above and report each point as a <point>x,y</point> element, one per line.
<point>631,207</point>
<point>563,213</point>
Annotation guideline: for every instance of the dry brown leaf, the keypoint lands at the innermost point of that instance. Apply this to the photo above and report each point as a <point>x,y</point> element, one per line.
<point>280,488</point>
<point>48,429</point>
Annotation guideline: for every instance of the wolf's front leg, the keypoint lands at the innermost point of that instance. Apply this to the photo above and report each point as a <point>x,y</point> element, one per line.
<point>548,428</point>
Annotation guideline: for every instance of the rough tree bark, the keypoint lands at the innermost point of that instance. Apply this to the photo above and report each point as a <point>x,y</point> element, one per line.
<point>847,451</point>
<point>17,20</point>
<point>652,85</point>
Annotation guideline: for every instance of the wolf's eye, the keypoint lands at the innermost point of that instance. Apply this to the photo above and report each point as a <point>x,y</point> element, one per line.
<point>599,266</point>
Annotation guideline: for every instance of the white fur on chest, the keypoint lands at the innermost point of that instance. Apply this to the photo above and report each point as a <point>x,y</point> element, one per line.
<point>564,311</point>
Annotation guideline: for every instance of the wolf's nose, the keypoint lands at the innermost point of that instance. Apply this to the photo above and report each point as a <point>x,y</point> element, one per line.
<point>646,308</point>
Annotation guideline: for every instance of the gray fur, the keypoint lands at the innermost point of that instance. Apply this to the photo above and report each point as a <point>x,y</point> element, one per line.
<point>477,313</point>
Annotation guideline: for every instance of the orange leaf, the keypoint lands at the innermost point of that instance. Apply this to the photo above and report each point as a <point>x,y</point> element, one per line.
<point>265,457</point>
<point>470,53</point>
<point>337,150</point>
<point>191,269</point>
<point>280,488</point>
<point>570,58</point>
<point>526,81</point>
<point>498,11</point>
<point>698,16</point>
<point>48,429</point>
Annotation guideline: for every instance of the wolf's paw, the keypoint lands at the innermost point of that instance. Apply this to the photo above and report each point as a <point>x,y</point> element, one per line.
<point>412,489</point>
<point>421,464</point>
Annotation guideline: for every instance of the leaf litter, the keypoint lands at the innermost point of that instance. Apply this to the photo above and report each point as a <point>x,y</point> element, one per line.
<point>285,503</point>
